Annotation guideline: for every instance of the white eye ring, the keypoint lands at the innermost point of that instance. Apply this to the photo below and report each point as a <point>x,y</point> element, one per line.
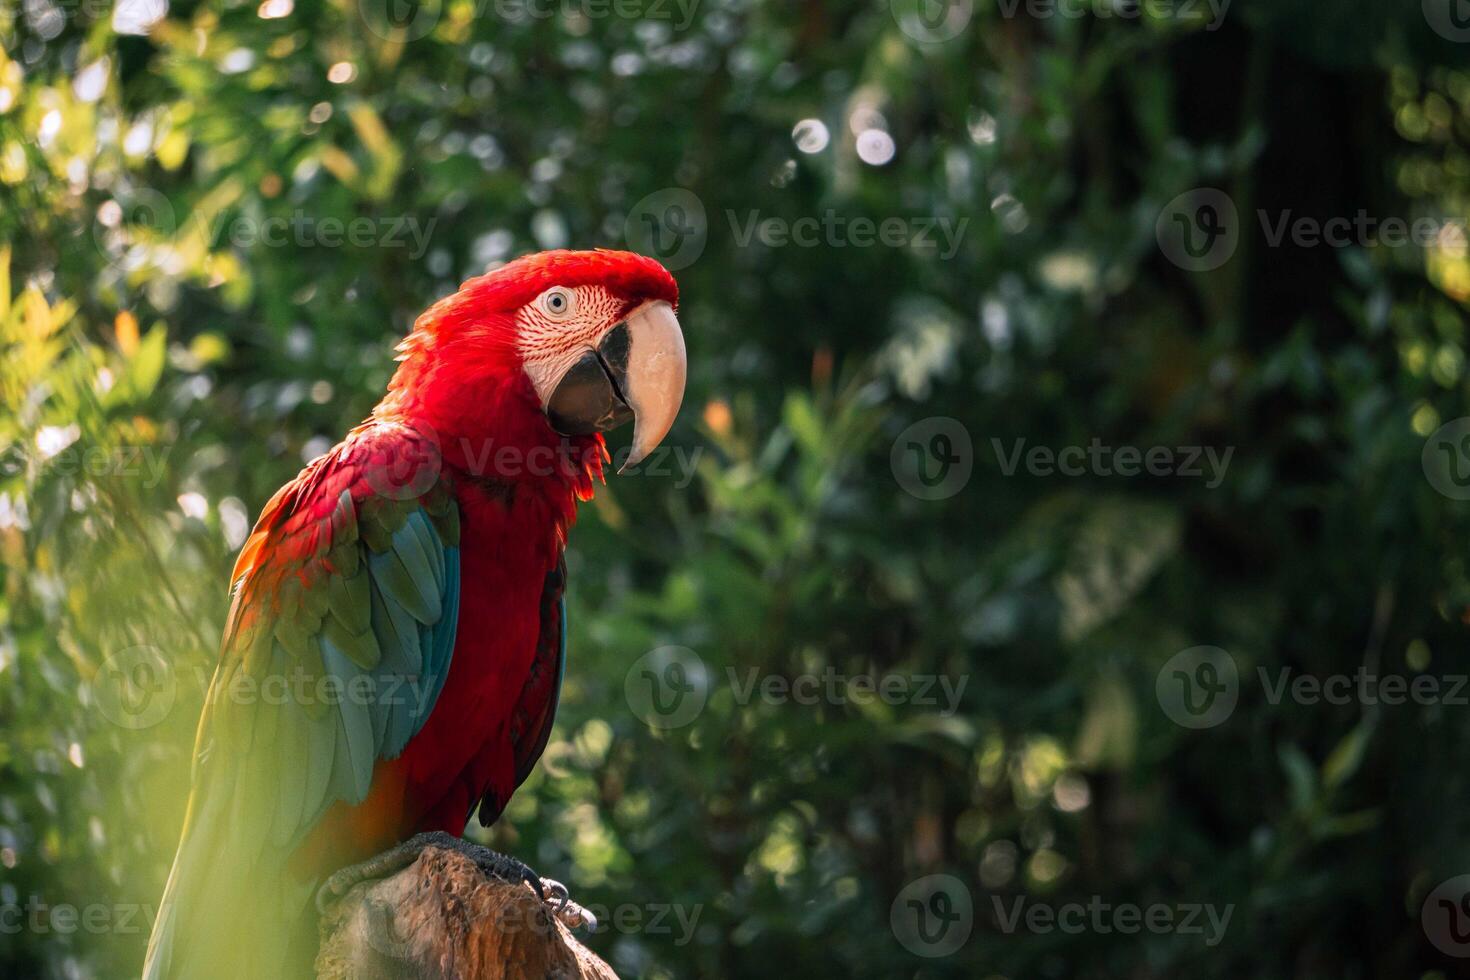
<point>557,303</point>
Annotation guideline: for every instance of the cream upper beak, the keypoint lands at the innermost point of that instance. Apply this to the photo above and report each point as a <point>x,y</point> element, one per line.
<point>654,386</point>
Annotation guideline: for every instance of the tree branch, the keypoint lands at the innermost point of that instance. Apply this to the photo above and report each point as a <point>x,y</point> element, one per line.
<point>442,919</point>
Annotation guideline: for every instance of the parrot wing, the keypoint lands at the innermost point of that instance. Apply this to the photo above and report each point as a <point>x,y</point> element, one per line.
<point>337,646</point>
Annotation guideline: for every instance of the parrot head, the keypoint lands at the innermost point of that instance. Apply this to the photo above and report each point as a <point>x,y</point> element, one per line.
<point>551,348</point>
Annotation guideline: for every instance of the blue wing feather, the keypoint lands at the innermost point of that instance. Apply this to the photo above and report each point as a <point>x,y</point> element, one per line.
<point>355,588</point>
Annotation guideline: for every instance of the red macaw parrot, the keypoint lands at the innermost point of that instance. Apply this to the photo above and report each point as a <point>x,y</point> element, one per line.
<point>395,647</point>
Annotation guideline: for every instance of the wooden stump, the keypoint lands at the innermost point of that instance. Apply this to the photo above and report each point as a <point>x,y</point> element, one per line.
<point>441,919</point>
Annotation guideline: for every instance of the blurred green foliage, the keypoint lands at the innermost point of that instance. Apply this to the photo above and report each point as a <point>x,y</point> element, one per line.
<point>162,372</point>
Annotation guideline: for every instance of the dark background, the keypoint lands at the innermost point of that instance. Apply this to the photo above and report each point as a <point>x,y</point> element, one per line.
<point>162,372</point>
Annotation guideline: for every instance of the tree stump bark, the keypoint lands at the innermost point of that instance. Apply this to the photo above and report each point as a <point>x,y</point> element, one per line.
<point>441,919</point>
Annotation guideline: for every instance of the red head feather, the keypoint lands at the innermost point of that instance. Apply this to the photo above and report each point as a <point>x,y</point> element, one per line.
<point>461,375</point>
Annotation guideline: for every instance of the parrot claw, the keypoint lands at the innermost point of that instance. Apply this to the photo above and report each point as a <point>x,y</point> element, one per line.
<point>558,891</point>
<point>570,914</point>
<point>550,891</point>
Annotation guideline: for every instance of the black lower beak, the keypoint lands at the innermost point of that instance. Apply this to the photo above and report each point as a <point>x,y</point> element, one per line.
<point>589,398</point>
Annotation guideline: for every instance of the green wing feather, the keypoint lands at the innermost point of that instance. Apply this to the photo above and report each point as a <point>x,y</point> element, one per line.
<point>347,589</point>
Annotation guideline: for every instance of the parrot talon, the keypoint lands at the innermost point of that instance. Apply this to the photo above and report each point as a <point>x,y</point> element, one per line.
<point>558,891</point>
<point>571,914</point>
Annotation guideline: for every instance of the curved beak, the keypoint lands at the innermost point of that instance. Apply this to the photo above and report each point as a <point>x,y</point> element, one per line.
<point>637,372</point>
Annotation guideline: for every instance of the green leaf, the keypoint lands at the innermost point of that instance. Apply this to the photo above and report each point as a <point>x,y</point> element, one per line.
<point>144,369</point>
<point>1345,759</point>
<point>1301,777</point>
<point>1117,549</point>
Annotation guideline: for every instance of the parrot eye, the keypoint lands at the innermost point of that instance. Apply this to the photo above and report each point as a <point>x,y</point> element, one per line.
<point>557,303</point>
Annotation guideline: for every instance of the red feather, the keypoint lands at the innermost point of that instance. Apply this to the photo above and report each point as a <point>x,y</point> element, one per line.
<point>515,520</point>
<point>459,406</point>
